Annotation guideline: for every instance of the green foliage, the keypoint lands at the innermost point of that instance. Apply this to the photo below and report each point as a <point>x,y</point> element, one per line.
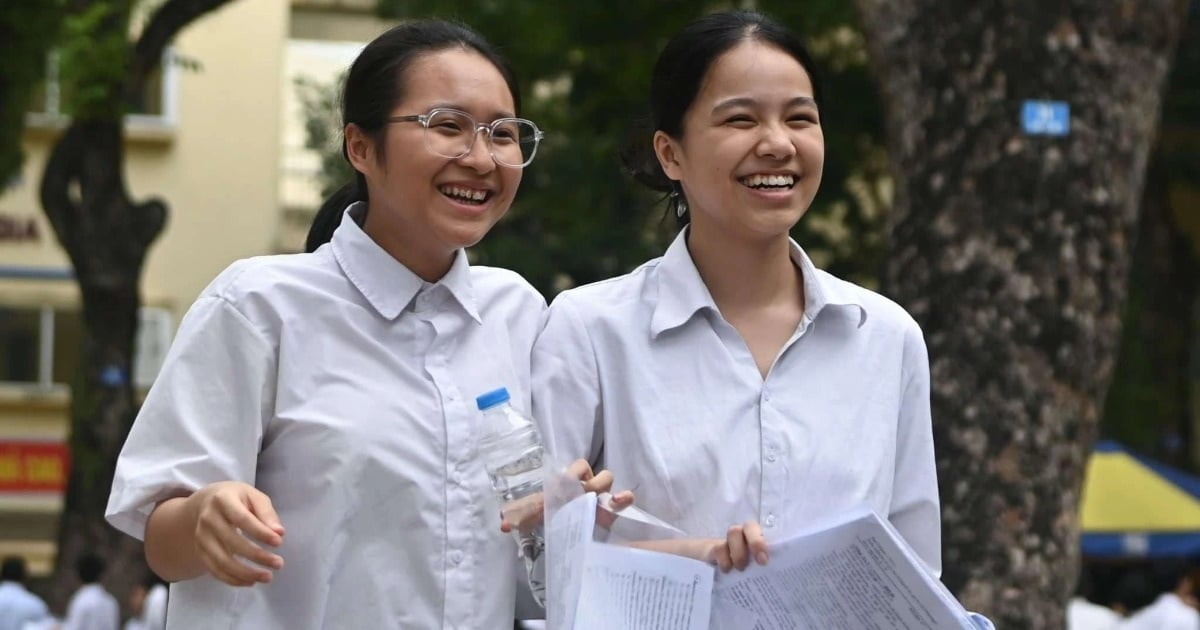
<point>585,70</point>
<point>28,30</point>
<point>322,130</point>
<point>94,59</point>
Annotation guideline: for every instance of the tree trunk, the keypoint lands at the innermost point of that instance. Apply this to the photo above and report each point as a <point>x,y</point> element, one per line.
<point>1012,251</point>
<point>106,236</point>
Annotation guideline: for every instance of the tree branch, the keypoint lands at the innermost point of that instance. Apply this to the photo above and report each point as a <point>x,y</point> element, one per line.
<point>164,25</point>
<point>62,167</point>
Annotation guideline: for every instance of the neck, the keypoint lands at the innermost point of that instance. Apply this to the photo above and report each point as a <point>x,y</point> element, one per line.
<point>745,274</point>
<point>426,259</point>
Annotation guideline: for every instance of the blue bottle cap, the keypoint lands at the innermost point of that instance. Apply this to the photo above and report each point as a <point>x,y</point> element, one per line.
<point>492,398</point>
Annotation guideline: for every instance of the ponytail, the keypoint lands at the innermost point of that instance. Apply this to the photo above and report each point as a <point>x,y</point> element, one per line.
<point>329,216</point>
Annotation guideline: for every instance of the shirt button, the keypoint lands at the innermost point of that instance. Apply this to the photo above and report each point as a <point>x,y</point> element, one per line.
<point>456,556</point>
<point>771,457</point>
<point>769,521</point>
<point>766,396</point>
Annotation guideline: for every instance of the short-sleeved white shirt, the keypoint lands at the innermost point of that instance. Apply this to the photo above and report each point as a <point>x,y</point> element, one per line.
<point>343,386</point>
<point>92,608</point>
<point>642,374</point>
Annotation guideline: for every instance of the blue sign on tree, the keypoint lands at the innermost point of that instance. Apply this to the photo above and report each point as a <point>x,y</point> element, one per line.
<point>1046,118</point>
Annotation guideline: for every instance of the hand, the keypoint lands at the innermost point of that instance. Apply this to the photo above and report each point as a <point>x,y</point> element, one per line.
<point>741,541</point>
<point>529,512</point>
<point>229,517</point>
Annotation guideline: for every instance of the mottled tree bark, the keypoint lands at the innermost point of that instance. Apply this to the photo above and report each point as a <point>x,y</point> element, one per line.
<point>106,236</point>
<point>1012,251</point>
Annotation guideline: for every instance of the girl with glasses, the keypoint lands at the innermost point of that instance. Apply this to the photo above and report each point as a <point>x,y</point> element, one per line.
<point>306,457</point>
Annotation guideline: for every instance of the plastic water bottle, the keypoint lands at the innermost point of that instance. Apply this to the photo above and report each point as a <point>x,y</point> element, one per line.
<point>512,454</point>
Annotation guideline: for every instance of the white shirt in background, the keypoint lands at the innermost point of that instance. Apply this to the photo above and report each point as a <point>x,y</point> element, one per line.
<point>18,606</point>
<point>92,608</point>
<point>642,373</point>
<point>1168,612</point>
<point>343,386</point>
<point>1084,615</point>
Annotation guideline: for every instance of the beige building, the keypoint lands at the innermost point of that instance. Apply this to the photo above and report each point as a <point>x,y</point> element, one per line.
<point>224,145</point>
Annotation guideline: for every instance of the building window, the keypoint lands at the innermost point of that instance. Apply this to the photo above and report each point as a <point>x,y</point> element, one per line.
<point>39,346</point>
<point>154,107</point>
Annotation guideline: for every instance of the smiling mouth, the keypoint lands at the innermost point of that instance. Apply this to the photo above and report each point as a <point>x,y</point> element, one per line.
<point>469,196</point>
<point>768,182</point>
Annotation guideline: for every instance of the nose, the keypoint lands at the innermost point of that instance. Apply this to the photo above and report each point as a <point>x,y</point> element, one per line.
<point>479,156</point>
<point>776,143</point>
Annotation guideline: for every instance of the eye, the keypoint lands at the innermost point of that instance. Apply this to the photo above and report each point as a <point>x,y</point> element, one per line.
<point>803,118</point>
<point>739,120</point>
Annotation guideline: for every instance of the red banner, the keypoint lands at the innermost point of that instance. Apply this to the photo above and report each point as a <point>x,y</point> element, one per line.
<point>33,466</point>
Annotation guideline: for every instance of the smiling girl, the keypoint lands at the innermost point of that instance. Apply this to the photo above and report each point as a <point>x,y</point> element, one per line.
<point>312,433</point>
<point>731,381</point>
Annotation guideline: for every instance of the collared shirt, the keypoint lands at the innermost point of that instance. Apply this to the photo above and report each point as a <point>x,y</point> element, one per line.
<point>1168,612</point>
<point>343,387</point>
<point>92,608</point>
<point>18,606</point>
<point>1084,615</point>
<point>641,374</point>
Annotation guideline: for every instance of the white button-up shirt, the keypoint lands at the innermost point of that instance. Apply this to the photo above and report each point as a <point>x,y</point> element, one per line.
<point>92,608</point>
<point>641,374</point>
<point>18,606</point>
<point>343,387</point>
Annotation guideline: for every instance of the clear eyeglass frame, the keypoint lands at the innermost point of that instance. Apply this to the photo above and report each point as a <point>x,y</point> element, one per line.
<point>475,127</point>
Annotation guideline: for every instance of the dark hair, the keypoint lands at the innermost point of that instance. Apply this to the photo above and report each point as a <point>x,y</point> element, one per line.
<point>13,569</point>
<point>89,567</point>
<point>1134,591</point>
<point>678,75</point>
<point>375,84</point>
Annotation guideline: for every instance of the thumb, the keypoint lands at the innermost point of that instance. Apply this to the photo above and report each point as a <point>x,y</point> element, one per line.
<point>260,505</point>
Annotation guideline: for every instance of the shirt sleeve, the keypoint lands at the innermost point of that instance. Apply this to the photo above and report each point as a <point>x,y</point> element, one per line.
<point>204,418</point>
<point>915,510</point>
<point>566,388</point>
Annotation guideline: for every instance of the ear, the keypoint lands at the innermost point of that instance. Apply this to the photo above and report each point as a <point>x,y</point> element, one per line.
<point>360,149</point>
<point>667,150</point>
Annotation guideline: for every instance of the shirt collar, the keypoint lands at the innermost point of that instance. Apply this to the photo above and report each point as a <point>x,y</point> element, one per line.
<point>384,281</point>
<point>682,292</point>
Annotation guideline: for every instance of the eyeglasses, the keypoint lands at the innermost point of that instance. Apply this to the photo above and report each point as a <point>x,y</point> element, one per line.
<point>450,133</point>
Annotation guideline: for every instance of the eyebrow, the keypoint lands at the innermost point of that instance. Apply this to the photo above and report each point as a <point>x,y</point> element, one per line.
<point>499,113</point>
<point>745,101</point>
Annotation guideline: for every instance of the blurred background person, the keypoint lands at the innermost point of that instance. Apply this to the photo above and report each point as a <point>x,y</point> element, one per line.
<point>1175,608</point>
<point>18,607</point>
<point>92,607</point>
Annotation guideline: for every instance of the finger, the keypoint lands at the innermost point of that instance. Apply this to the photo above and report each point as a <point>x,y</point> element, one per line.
<point>242,518</point>
<point>622,499</point>
<point>505,526</point>
<point>721,555</point>
<point>580,469</point>
<point>261,506</point>
<point>217,572</point>
<point>241,547</point>
<point>738,553</point>
<point>223,566</point>
<point>602,482</point>
<point>756,542</point>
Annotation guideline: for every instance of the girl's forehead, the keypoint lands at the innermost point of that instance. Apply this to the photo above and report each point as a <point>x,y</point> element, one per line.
<point>755,68</point>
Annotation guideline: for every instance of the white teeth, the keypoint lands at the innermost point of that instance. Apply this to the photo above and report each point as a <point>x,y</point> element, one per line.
<point>769,180</point>
<point>464,193</point>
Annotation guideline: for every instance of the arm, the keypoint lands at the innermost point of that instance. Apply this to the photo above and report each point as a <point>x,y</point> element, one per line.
<point>566,387</point>
<point>186,537</point>
<point>202,424</point>
<point>915,511</point>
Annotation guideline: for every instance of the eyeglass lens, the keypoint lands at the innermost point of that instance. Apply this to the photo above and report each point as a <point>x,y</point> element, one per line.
<point>450,134</point>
